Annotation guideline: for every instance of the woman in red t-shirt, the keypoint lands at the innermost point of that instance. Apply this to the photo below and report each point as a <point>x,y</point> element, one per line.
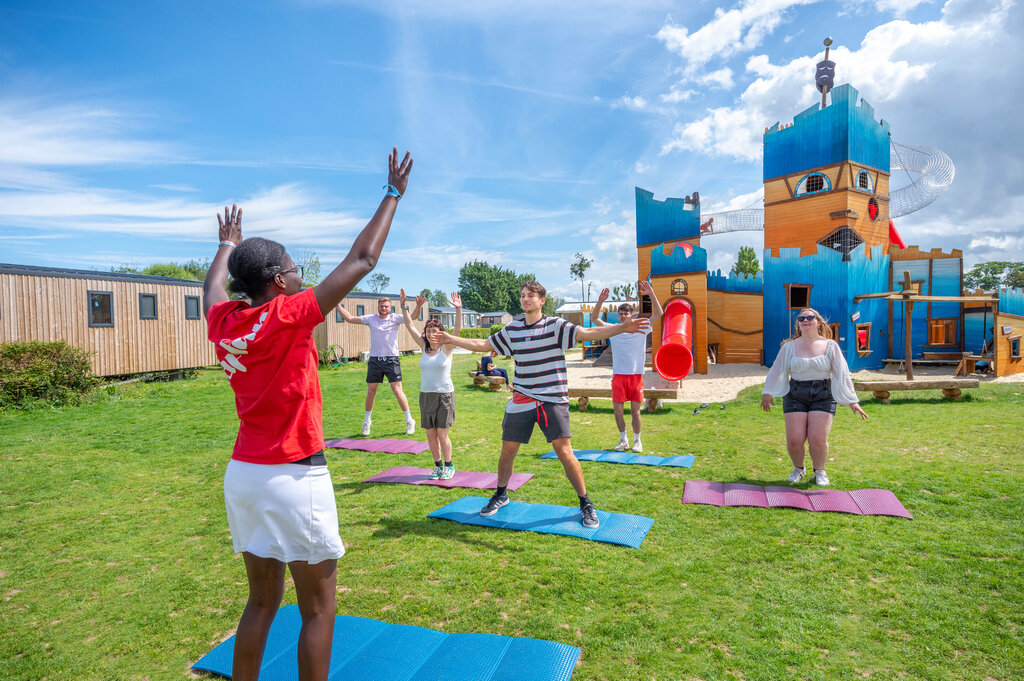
<point>277,489</point>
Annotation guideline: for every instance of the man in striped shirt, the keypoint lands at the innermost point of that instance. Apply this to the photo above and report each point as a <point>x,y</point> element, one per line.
<point>541,392</point>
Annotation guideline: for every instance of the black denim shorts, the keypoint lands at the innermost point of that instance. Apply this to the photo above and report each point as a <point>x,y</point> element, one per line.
<point>379,367</point>
<point>805,396</point>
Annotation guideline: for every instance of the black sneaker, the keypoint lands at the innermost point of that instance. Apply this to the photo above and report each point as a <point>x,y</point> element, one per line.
<point>589,514</point>
<point>496,502</point>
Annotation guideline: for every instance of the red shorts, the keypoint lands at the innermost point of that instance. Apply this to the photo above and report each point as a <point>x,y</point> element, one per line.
<point>627,387</point>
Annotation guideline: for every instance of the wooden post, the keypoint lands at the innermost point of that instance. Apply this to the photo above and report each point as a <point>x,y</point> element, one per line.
<point>908,313</point>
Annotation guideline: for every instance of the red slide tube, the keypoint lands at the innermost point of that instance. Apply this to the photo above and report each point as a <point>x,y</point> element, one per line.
<point>674,358</point>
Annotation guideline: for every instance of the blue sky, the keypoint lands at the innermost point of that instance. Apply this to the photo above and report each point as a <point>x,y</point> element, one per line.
<point>125,125</point>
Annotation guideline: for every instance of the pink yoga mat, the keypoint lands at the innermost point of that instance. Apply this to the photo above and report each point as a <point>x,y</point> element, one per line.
<point>389,446</point>
<point>859,502</point>
<point>410,475</point>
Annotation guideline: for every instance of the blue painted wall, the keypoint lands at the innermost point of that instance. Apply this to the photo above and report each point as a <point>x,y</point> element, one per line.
<point>735,282</point>
<point>977,329</point>
<point>677,262</point>
<point>668,220</point>
<point>835,283</point>
<point>1011,301</point>
<point>819,137</point>
<point>943,281</point>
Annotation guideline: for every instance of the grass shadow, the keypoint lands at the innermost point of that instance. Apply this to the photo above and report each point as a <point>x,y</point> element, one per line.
<point>390,528</point>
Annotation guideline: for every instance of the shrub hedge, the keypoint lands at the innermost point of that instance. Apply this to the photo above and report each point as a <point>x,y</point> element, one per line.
<point>38,373</point>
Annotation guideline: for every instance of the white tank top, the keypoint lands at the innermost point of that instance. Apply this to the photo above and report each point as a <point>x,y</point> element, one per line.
<point>436,373</point>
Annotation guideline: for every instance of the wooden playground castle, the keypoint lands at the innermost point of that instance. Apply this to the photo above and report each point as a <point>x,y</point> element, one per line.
<point>829,244</point>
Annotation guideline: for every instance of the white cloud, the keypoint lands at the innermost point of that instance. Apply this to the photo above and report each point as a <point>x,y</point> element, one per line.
<point>36,133</point>
<point>637,103</point>
<point>891,60</point>
<point>721,78</point>
<point>641,168</point>
<point>677,94</point>
<point>730,32</point>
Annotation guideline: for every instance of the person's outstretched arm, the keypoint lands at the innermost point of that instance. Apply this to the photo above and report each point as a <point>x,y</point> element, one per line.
<point>407,320</point>
<point>634,325</point>
<point>366,249</point>
<point>229,232</point>
<point>471,344</point>
<point>595,314</point>
<point>348,316</point>
<point>657,311</point>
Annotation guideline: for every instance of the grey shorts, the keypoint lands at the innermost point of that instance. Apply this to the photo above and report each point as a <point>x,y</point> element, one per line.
<point>805,396</point>
<point>552,417</point>
<point>437,410</point>
<point>379,367</point>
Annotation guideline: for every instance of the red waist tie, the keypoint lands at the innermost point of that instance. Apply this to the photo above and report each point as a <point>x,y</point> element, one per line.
<point>519,398</point>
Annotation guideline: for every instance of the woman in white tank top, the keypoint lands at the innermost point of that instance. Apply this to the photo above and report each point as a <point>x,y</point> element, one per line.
<point>437,393</point>
<point>811,375</point>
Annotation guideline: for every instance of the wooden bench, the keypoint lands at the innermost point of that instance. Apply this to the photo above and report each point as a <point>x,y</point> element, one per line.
<point>653,396</point>
<point>950,387</point>
<point>494,383</point>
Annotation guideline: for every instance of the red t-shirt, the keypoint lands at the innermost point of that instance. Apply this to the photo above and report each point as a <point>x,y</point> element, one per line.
<point>269,357</point>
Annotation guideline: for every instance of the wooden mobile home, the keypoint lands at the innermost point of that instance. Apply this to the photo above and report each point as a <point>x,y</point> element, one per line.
<point>132,323</point>
<point>351,339</point>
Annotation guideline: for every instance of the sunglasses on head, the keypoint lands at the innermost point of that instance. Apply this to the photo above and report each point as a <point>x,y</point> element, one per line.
<point>805,318</point>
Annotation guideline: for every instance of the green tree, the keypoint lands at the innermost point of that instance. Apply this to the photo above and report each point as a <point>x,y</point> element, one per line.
<point>378,281</point>
<point>746,262</point>
<point>487,288</point>
<point>578,270</point>
<point>193,269</point>
<point>624,292</point>
<point>311,274</point>
<point>552,303</point>
<point>439,298</point>
<point>989,275</point>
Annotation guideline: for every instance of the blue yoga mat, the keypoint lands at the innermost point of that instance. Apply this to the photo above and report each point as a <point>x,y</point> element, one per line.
<point>616,528</point>
<point>370,650</point>
<point>607,456</point>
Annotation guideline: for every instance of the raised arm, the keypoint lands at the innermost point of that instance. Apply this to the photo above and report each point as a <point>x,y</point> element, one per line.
<point>634,325</point>
<point>230,235</point>
<point>595,314</point>
<point>657,311</point>
<point>348,316</point>
<point>420,302</point>
<point>407,320</point>
<point>366,249</point>
<point>456,301</point>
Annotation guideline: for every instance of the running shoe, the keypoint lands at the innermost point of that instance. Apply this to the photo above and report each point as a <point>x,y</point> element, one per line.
<point>589,513</point>
<point>448,473</point>
<point>496,502</point>
<point>437,473</point>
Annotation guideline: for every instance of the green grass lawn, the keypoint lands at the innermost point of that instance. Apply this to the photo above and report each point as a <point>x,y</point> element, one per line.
<point>115,559</point>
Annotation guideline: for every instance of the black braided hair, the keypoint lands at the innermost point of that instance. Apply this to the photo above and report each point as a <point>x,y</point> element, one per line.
<point>253,264</point>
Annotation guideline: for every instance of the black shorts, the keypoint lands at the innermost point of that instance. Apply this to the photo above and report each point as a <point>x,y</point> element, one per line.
<point>805,396</point>
<point>552,417</point>
<point>379,367</point>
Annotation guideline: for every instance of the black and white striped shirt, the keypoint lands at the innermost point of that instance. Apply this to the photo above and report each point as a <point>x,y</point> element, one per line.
<point>539,351</point>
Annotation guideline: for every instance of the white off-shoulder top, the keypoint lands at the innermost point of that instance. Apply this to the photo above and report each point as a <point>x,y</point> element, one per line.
<point>832,365</point>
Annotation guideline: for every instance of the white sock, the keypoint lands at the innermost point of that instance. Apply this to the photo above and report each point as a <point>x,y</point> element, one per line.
<point>622,436</point>
<point>367,416</point>
<point>408,416</point>
<point>636,438</point>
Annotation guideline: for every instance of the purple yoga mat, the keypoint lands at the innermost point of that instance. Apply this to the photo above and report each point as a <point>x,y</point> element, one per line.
<point>859,502</point>
<point>390,446</point>
<point>410,475</point>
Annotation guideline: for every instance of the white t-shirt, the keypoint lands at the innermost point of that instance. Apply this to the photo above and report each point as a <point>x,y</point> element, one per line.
<point>383,334</point>
<point>436,373</point>
<point>628,352</point>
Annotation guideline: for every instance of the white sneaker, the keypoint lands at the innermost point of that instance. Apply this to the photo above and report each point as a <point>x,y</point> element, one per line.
<point>821,479</point>
<point>621,447</point>
<point>637,447</point>
<point>410,427</point>
<point>366,427</point>
<point>797,474</point>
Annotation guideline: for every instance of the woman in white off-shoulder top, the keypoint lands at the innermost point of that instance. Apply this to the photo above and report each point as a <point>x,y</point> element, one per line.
<point>811,375</point>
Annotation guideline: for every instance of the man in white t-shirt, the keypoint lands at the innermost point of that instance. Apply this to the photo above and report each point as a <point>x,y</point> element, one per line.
<point>384,360</point>
<point>629,350</point>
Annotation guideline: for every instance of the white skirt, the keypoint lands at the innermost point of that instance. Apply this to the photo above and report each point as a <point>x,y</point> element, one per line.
<point>285,511</point>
